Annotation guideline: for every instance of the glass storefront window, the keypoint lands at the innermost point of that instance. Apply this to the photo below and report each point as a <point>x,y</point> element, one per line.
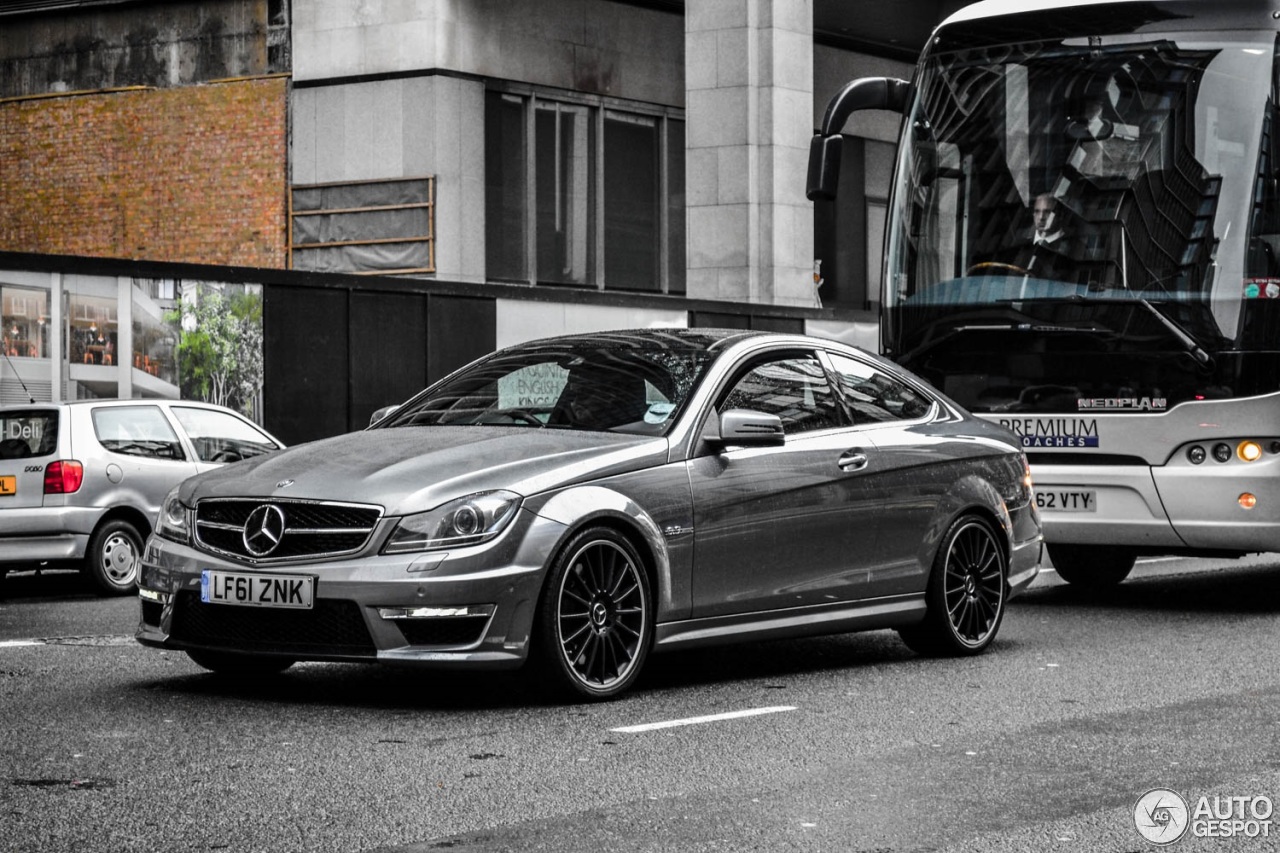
<point>93,330</point>
<point>24,322</point>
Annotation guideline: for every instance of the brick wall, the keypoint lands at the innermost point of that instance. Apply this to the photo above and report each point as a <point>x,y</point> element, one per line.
<point>193,174</point>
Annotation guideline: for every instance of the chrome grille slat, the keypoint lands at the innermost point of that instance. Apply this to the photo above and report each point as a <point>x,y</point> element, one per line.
<point>313,529</point>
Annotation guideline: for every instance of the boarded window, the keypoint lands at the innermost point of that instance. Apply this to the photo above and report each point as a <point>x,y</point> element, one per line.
<point>369,227</point>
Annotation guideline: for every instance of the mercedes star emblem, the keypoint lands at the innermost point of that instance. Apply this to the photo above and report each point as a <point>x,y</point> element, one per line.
<point>263,530</point>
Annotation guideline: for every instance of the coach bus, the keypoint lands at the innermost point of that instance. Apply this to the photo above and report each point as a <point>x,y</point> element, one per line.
<point>1083,243</point>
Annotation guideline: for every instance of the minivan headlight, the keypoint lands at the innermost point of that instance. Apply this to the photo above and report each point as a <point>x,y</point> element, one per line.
<point>466,521</point>
<point>173,520</point>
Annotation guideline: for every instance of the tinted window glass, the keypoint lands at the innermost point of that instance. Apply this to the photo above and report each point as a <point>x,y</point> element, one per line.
<point>873,396</point>
<point>598,383</point>
<point>220,437</point>
<point>795,389</point>
<point>24,435</point>
<point>136,431</point>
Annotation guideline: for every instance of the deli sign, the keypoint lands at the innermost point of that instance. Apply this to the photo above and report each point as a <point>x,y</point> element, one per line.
<point>1054,432</point>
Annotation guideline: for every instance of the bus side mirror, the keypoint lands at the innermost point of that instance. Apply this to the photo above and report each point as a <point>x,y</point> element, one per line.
<point>865,93</point>
<point>824,167</point>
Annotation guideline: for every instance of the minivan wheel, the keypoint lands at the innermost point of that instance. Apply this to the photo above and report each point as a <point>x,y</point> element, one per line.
<point>115,552</point>
<point>966,594</point>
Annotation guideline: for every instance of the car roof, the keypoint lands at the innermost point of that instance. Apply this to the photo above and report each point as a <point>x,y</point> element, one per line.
<point>112,402</point>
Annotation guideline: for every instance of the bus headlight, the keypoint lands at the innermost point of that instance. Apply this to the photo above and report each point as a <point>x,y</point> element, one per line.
<point>1249,451</point>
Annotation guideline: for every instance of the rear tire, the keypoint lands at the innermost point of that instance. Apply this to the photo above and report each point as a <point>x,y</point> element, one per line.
<point>966,595</point>
<point>236,664</point>
<point>113,558</point>
<point>594,623</point>
<point>1092,566</point>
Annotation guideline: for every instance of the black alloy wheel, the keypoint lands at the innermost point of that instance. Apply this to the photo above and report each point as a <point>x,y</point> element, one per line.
<point>966,594</point>
<point>595,622</point>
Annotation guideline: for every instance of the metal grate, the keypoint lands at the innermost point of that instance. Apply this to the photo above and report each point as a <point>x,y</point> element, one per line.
<point>311,529</point>
<point>334,627</point>
<point>453,631</point>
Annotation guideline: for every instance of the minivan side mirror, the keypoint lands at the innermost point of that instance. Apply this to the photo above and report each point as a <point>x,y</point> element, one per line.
<point>747,428</point>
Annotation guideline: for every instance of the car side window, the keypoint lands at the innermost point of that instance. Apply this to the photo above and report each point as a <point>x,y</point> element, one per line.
<point>221,437</point>
<point>873,396</point>
<point>136,431</point>
<point>794,388</point>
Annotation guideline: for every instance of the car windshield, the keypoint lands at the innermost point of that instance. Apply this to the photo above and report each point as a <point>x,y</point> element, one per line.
<point>613,384</point>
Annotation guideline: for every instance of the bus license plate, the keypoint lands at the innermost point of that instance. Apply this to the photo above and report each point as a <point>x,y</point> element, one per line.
<point>1067,500</point>
<point>257,590</point>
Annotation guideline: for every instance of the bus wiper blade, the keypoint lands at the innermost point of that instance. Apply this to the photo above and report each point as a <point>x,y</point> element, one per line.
<point>954,331</point>
<point>1189,343</point>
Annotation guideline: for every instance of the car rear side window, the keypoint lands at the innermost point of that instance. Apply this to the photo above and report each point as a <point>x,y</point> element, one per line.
<point>136,431</point>
<point>28,434</point>
<point>874,396</point>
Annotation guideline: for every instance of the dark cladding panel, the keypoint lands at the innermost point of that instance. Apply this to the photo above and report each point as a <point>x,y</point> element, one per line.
<point>304,353</point>
<point>460,329</point>
<point>782,325</point>
<point>388,351</point>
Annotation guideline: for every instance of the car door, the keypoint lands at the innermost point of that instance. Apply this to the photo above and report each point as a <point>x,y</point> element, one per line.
<point>144,458</point>
<point>915,467</point>
<point>782,526</point>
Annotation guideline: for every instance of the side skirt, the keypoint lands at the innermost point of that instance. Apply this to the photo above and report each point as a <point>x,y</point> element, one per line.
<point>892,612</point>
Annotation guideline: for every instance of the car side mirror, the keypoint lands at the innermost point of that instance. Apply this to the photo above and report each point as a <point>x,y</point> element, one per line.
<point>384,412</point>
<point>747,428</point>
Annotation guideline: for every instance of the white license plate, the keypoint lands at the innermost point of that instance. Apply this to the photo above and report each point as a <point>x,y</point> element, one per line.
<point>257,590</point>
<point>1067,500</point>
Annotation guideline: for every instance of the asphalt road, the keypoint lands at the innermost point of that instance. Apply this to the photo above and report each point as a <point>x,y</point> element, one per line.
<point>850,743</point>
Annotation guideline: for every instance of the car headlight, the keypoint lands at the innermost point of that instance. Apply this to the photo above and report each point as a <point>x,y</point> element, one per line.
<point>466,521</point>
<point>172,522</point>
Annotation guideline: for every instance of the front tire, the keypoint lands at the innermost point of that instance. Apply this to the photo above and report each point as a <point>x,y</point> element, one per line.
<point>115,552</point>
<point>242,665</point>
<point>594,624</point>
<point>1092,566</point>
<point>966,595</point>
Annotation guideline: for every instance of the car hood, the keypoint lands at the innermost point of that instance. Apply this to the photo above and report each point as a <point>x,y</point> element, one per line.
<point>411,469</point>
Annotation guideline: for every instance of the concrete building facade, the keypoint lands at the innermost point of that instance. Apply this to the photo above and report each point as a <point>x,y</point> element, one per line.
<point>575,164</point>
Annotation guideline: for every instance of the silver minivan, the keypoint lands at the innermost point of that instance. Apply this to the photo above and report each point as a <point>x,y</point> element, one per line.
<point>82,482</point>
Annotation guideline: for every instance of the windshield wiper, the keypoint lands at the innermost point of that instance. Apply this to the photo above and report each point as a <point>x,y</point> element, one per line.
<point>955,331</point>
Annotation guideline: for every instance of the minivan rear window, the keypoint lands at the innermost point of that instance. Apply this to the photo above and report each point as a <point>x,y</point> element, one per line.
<point>28,434</point>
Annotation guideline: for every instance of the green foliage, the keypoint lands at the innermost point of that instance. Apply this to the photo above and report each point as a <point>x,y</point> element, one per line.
<point>220,348</point>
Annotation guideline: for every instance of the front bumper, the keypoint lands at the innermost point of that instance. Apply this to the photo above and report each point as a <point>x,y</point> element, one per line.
<point>471,608</point>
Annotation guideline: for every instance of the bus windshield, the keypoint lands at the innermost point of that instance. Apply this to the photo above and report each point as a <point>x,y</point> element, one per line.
<point>1090,218</point>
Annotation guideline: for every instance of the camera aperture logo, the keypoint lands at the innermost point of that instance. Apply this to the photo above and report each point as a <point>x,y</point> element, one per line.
<point>1161,816</point>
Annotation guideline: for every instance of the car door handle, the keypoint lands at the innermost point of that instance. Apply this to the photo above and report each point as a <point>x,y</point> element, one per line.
<point>852,460</point>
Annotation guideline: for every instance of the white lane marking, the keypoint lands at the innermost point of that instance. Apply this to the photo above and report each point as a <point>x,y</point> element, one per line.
<point>710,718</point>
<point>1160,559</point>
<point>16,644</point>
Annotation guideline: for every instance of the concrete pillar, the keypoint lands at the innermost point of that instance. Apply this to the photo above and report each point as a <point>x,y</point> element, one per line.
<point>749,87</point>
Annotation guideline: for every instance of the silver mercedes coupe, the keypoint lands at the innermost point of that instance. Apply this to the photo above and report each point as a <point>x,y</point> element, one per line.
<point>576,503</point>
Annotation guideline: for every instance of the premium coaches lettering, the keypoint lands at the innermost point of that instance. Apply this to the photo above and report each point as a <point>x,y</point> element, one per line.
<point>1054,432</point>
